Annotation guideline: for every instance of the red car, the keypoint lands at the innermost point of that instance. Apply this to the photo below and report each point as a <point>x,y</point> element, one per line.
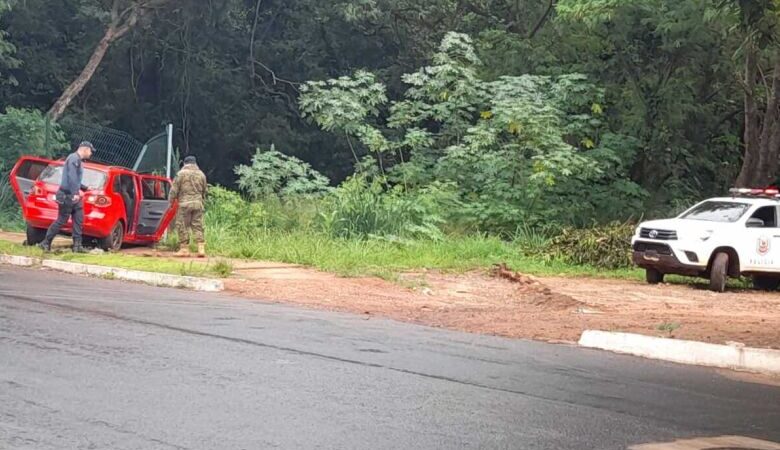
<point>123,207</point>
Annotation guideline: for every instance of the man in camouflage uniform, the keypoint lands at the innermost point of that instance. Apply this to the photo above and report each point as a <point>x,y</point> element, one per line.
<point>190,188</point>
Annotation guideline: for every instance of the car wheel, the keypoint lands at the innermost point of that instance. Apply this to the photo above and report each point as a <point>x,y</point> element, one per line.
<point>719,272</point>
<point>654,276</point>
<point>766,283</point>
<point>113,242</point>
<point>34,235</point>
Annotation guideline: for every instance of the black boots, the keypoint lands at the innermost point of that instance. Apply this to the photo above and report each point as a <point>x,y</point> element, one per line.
<point>45,246</point>
<point>77,248</point>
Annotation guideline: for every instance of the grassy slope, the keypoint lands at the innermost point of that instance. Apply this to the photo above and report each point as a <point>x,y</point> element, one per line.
<point>385,259</point>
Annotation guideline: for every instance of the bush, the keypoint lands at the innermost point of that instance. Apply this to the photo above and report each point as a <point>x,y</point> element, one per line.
<point>360,209</point>
<point>276,174</point>
<point>28,132</point>
<point>22,132</point>
<point>228,208</point>
<point>604,247</point>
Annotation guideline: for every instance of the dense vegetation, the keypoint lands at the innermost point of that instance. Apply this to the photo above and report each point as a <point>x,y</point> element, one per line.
<point>407,120</point>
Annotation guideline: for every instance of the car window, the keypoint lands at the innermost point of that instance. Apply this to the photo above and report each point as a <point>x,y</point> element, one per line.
<point>712,211</point>
<point>92,178</point>
<point>152,190</point>
<point>767,215</point>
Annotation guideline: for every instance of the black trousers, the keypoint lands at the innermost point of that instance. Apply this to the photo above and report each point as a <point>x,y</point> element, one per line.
<point>67,209</point>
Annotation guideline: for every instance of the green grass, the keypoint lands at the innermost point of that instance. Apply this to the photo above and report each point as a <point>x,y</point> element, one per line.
<point>387,259</point>
<point>158,265</point>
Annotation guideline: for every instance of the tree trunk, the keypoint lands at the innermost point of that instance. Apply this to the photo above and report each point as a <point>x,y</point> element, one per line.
<point>771,128</point>
<point>75,87</point>
<point>747,175</point>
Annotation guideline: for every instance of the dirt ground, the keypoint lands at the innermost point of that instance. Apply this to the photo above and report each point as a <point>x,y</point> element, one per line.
<point>555,309</point>
<point>550,309</point>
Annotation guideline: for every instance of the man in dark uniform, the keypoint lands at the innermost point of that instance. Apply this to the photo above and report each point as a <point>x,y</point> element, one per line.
<point>69,198</point>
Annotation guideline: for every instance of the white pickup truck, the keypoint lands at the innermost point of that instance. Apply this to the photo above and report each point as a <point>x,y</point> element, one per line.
<point>716,239</point>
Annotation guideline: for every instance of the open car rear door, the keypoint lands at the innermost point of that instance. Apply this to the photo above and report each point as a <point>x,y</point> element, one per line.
<point>154,212</point>
<point>24,175</point>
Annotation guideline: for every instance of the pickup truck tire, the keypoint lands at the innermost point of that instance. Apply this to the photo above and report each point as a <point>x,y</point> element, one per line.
<point>719,272</point>
<point>654,276</point>
<point>113,242</point>
<point>34,235</point>
<point>765,283</point>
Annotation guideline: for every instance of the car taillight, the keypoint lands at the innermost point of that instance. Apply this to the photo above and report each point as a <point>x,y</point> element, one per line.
<point>38,191</point>
<point>98,200</point>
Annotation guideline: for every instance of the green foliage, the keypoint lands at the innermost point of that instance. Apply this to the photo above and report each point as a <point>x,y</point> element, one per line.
<point>28,132</point>
<point>22,132</point>
<point>228,208</point>
<point>515,147</point>
<point>604,247</point>
<point>360,209</point>
<point>7,49</point>
<point>275,174</point>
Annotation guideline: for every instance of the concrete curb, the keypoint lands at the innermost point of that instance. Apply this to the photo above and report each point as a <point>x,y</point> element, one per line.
<point>735,357</point>
<point>23,261</point>
<point>152,278</point>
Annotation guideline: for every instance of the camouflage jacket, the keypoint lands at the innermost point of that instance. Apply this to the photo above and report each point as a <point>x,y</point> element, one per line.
<point>190,186</point>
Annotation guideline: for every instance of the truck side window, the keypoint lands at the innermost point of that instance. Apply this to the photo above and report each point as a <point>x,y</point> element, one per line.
<point>768,215</point>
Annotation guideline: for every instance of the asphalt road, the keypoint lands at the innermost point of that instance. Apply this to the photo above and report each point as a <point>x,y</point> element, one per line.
<point>97,364</point>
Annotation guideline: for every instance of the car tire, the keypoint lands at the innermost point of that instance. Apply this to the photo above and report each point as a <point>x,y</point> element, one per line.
<point>719,272</point>
<point>34,235</point>
<point>113,242</point>
<point>654,276</point>
<point>764,283</point>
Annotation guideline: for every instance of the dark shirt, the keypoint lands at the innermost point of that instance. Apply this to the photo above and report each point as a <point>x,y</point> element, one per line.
<point>72,174</point>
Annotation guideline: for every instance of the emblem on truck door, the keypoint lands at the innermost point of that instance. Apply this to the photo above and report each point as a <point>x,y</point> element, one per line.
<point>763,246</point>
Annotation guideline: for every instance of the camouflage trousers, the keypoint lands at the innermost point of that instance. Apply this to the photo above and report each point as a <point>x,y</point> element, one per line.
<point>190,219</point>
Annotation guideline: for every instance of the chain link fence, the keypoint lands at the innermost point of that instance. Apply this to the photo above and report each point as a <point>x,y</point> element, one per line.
<point>113,147</point>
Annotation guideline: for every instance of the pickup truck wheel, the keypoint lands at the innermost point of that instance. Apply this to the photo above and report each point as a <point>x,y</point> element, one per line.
<point>654,276</point>
<point>113,242</point>
<point>719,272</point>
<point>764,283</point>
<point>34,235</point>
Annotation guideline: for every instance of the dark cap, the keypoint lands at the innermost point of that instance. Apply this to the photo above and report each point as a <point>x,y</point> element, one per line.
<point>86,144</point>
<point>190,160</point>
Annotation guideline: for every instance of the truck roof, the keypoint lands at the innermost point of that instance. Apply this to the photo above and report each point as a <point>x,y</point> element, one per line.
<point>752,200</point>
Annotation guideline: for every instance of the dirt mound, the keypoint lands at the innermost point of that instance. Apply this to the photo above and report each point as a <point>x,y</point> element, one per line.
<point>535,292</point>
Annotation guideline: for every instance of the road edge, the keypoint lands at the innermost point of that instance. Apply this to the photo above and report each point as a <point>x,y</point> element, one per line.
<point>115,273</point>
<point>735,356</point>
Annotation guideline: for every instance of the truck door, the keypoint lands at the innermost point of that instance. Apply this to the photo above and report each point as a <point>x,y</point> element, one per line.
<point>154,211</point>
<point>24,175</point>
<point>762,242</point>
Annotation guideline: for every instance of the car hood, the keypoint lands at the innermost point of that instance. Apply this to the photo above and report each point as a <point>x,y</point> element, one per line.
<point>685,228</point>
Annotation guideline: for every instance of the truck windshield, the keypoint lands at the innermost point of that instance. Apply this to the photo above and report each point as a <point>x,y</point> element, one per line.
<point>92,178</point>
<point>717,211</point>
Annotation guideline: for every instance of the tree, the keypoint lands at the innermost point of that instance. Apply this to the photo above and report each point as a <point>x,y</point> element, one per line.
<point>519,148</point>
<point>7,60</point>
<point>760,80</point>
<point>123,16</point>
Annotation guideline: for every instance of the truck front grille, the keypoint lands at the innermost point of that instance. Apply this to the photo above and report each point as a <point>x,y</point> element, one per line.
<point>662,235</point>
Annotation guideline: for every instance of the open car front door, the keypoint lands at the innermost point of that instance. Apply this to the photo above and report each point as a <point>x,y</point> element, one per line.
<point>24,175</point>
<point>154,213</point>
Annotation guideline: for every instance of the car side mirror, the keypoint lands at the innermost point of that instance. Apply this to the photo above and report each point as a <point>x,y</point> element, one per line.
<point>755,223</point>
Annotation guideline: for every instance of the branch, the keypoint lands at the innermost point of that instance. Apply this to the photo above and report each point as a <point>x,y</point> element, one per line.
<point>542,20</point>
<point>252,39</point>
<point>274,77</point>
